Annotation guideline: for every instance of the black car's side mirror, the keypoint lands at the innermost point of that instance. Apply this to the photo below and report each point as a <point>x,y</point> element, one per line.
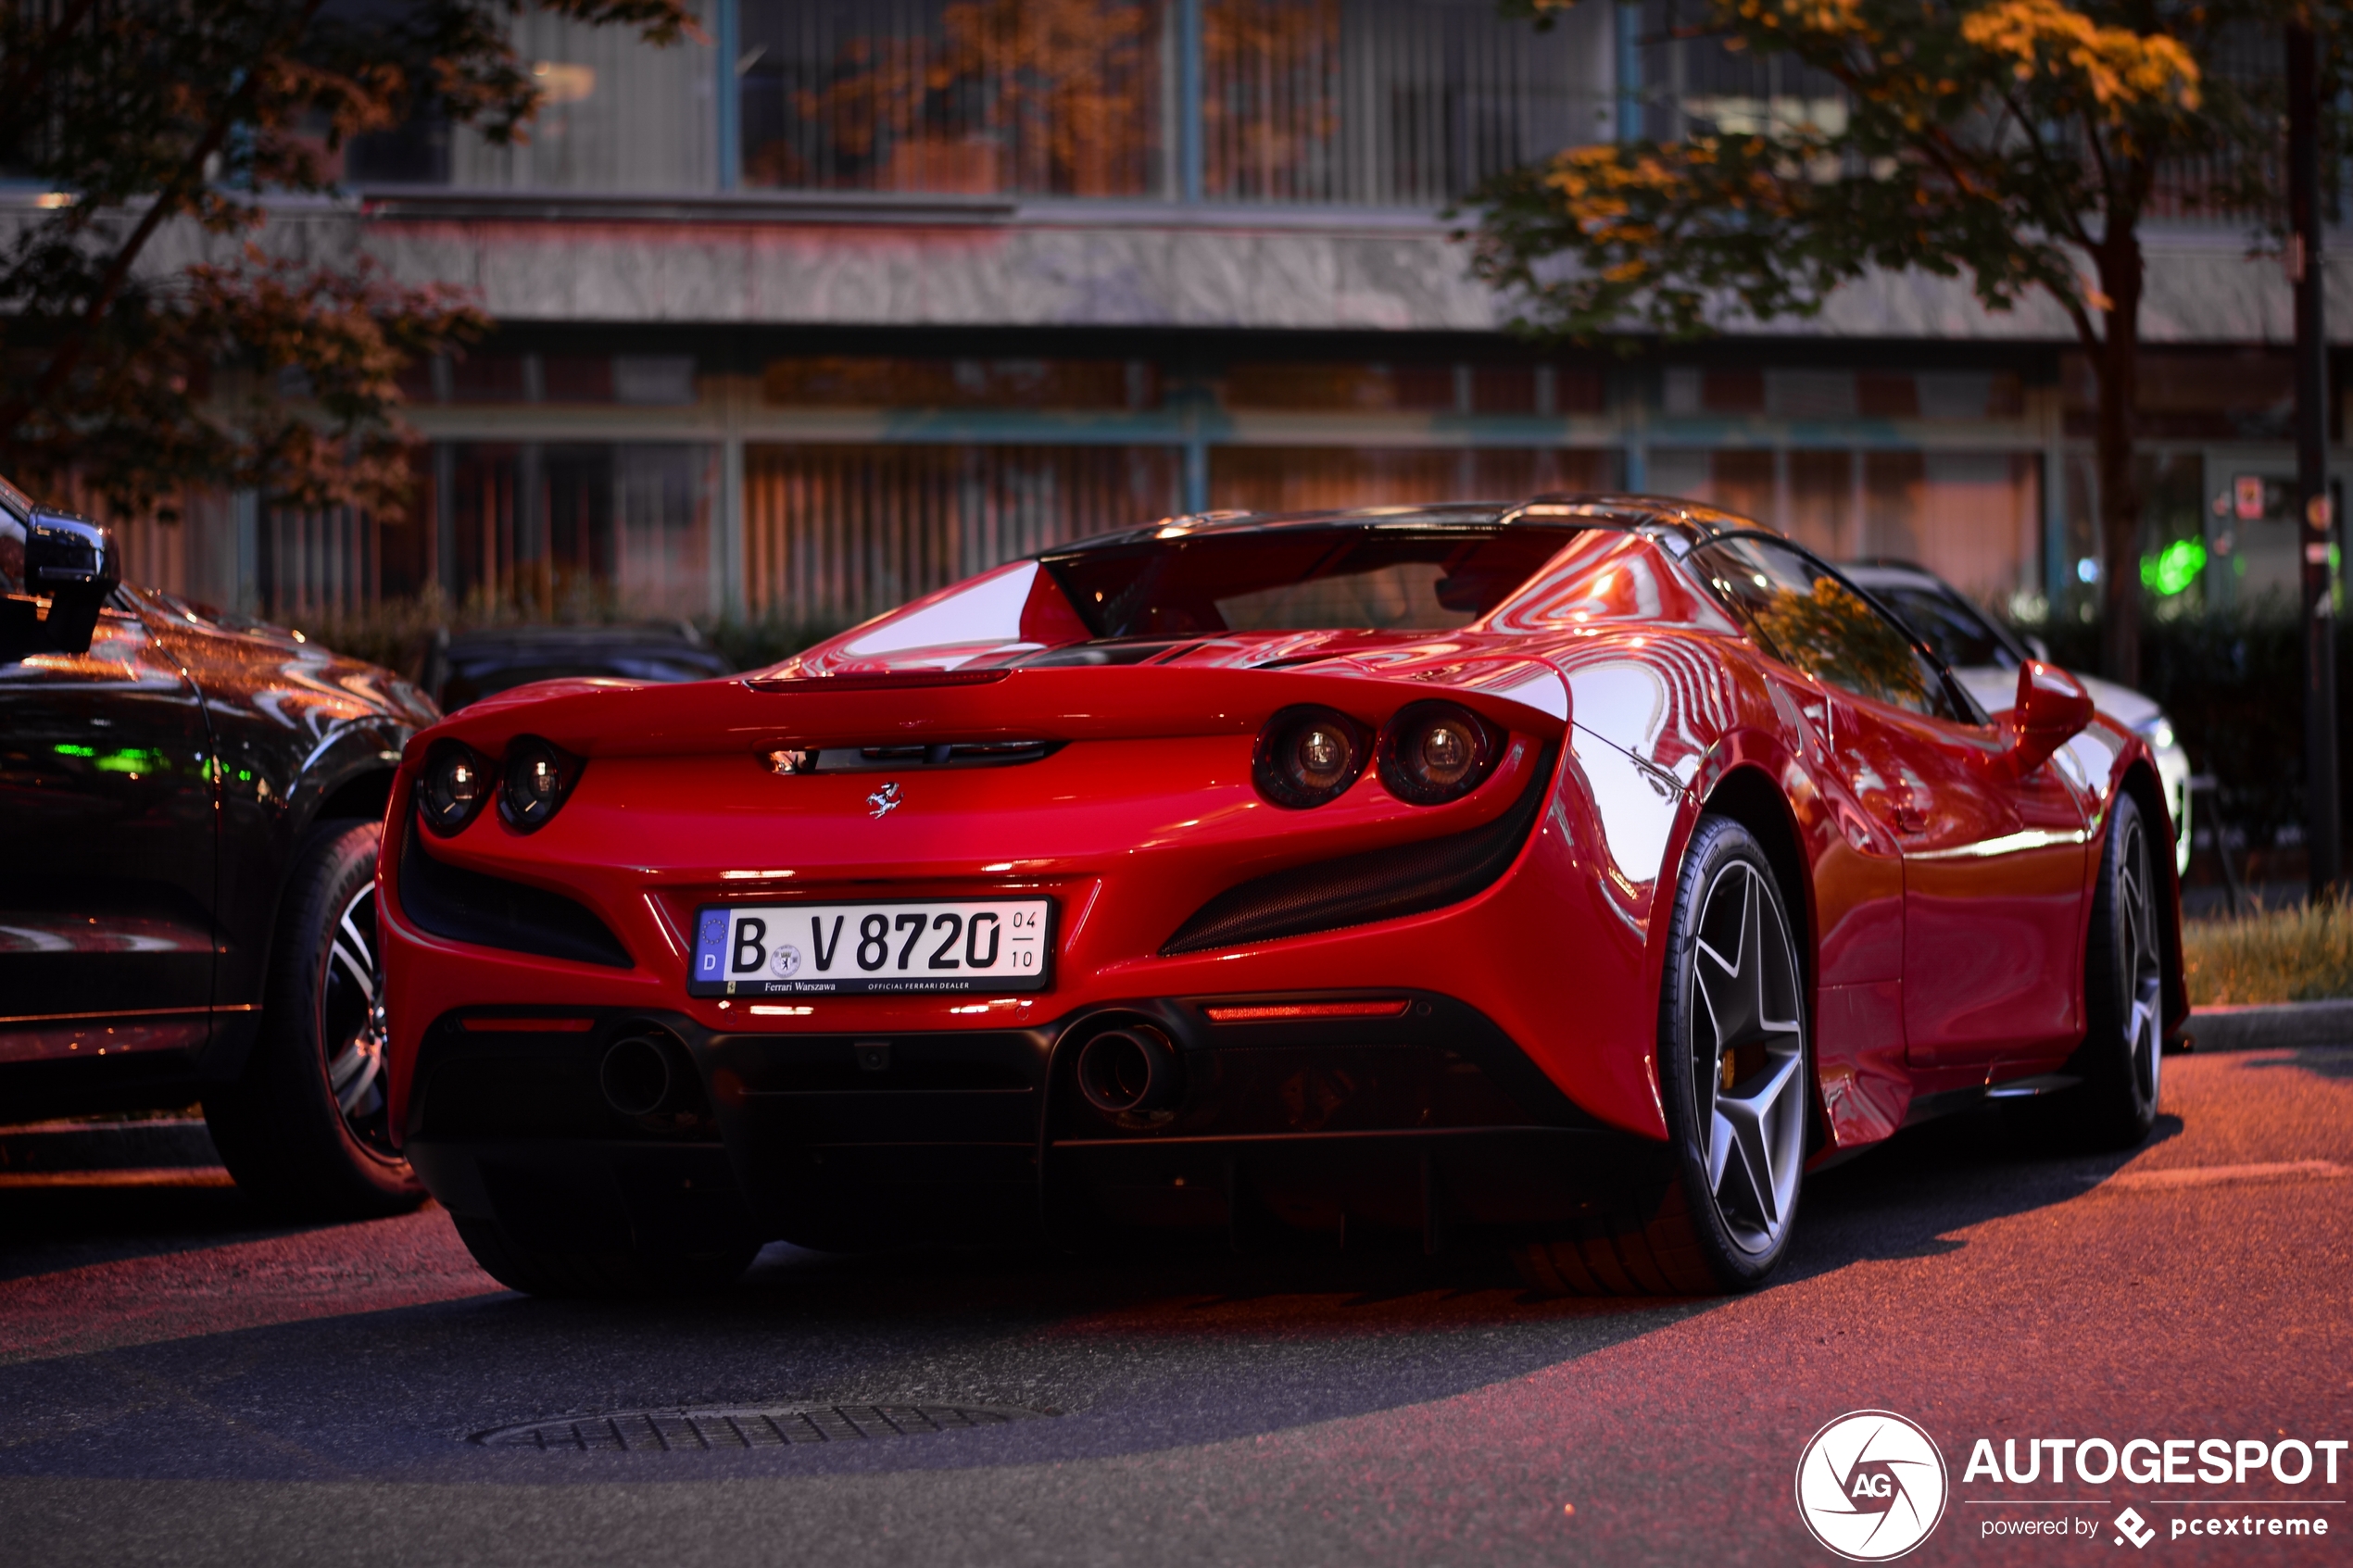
<point>74,564</point>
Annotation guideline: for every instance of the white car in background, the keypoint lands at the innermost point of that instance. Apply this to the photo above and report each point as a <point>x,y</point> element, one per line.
<point>1985,655</point>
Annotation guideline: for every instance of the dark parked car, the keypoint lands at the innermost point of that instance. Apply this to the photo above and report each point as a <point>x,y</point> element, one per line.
<point>468,666</point>
<point>192,804</point>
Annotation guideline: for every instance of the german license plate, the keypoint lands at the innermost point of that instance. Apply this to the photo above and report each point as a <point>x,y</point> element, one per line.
<point>908,945</point>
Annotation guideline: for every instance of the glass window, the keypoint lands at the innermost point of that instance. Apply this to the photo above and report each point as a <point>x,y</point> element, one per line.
<point>843,380</point>
<point>1387,576</point>
<point>1807,617</point>
<point>1952,626</point>
<point>616,114</point>
<point>1435,386</point>
<point>1698,83</point>
<point>1298,479</point>
<point>1391,102</point>
<point>1046,98</point>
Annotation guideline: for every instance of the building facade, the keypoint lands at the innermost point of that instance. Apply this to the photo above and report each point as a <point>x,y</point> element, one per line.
<point>843,302</point>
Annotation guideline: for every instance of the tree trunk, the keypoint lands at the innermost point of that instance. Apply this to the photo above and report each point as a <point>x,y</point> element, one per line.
<point>2117,365</point>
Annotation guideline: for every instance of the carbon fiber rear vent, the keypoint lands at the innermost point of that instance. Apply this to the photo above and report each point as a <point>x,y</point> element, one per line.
<point>1358,889</point>
<point>708,1431</point>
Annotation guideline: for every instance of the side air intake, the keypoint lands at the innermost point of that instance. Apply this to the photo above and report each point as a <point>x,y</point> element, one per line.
<point>1359,889</point>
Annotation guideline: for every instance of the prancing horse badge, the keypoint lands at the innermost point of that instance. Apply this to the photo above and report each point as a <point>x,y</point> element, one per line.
<point>885,800</point>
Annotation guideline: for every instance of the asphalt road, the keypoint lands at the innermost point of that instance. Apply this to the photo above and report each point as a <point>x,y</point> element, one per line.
<point>182,1384</point>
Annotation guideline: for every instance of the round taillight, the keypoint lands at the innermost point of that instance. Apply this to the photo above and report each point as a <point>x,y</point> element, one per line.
<point>1306,756</point>
<point>1433,752</point>
<point>455,785</point>
<point>539,775</point>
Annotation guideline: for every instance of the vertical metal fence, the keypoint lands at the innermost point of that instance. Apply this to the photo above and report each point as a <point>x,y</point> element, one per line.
<point>315,563</point>
<point>836,534</point>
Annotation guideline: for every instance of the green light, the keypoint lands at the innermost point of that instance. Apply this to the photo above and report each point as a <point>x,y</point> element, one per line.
<point>130,759</point>
<point>2174,567</point>
<point>75,751</point>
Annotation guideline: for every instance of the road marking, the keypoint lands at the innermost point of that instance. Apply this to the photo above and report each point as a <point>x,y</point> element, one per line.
<point>2221,1175</point>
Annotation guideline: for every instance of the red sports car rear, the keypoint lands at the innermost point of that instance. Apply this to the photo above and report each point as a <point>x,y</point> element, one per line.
<point>1247,878</point>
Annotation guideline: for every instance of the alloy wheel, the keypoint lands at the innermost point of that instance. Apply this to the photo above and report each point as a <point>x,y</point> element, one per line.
<point>1747,1052</point>
<point>2144,963</point>
<point>351,1023</point>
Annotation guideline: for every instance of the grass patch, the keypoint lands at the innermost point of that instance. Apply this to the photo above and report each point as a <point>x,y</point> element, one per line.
<point>2300,955</point>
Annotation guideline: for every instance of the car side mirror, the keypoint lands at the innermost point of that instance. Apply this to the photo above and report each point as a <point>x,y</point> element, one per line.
<point>2052,708</point>
<point>74,564</point>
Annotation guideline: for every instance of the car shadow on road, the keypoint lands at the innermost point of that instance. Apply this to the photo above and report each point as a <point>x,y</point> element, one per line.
<point>1907,1198</point>
<point>1133,1353</point>
<point>2325,1062</point>
<point>44,1229</point>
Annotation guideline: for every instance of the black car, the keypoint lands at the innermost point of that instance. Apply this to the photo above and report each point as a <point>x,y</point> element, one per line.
<point>193,805</point>
<point>465,667</point>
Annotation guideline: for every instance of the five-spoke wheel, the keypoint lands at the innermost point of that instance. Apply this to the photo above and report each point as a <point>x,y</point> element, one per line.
<point>2123,1053</point>
<point>1735,1082</point>
<point>1744,1035</point>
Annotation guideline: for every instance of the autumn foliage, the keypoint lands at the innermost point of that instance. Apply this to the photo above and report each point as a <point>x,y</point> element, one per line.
<point>2021,145</point>
<point>153,337</point>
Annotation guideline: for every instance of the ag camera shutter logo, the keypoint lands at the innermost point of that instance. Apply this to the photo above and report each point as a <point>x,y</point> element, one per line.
<point>1871,1486</point>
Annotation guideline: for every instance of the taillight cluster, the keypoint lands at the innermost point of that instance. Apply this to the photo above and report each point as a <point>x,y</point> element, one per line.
<point>534,781</point>
<point>1427,754</point>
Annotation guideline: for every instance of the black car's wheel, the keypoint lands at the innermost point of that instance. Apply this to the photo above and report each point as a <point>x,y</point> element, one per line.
<point>627,1271</point>
<point>305,1130</point>
<point>1733,1072</point>
<point>2122,1054</point>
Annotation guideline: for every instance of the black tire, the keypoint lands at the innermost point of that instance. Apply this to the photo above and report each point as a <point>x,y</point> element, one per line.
<point>305,1130</point>
<point>2122,1055</point>
<point>1720,1219</point>
<point>616,1274</point>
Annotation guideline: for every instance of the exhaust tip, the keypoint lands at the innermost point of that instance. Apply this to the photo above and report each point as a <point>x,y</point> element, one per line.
<point>1125,1071</point>
<point>637,1075</point>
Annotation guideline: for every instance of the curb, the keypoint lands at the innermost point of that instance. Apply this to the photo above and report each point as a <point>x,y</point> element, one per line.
<point>2272,1025</point>
<point>40,1147</point>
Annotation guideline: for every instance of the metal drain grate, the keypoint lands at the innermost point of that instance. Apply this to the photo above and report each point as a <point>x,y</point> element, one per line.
<point>705,1431</point>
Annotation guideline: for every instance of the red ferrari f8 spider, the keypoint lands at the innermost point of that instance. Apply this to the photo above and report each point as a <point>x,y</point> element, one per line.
<point>1580,871</point>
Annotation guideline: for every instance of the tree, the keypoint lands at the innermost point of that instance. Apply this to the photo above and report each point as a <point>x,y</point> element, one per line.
<point>165,119</point>
<point>2022,143</point>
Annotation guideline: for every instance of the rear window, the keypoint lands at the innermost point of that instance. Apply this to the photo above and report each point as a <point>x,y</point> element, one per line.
<point>1377,577</point>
